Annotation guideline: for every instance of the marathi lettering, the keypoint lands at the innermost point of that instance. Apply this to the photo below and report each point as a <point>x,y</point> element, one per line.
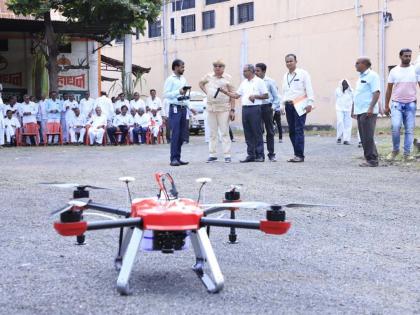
<point>76,80</point>
<point>13,78</point>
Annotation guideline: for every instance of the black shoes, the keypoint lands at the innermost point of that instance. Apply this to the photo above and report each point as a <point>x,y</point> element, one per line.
<point>260,159</point>
<point>247,160</point>
<point>178,163</point>
<point>346,143</point>
<point>211,159</point>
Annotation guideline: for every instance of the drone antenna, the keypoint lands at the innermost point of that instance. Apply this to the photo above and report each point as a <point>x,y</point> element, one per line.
<point>203,181</point>
<point>127,180</point>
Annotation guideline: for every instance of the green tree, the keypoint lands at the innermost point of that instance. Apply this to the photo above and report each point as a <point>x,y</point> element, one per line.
<point>115,17</point>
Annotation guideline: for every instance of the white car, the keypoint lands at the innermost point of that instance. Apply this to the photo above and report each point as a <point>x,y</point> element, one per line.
<point>198,102</point>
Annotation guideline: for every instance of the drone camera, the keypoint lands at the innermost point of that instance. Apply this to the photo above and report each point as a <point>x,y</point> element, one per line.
<point>169,241</point>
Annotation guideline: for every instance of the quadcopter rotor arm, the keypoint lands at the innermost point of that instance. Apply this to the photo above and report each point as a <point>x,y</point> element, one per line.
<point>79,228</point>
<point>108,209</point>
<point>266,226</point>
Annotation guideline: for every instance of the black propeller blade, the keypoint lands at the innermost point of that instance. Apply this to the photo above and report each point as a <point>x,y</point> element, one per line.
<point>71,185</point>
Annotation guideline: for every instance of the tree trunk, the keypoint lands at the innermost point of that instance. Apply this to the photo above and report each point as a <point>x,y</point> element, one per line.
<point>52,44</point>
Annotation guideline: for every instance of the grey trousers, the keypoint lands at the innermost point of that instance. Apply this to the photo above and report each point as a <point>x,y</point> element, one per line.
<point>366,126</point>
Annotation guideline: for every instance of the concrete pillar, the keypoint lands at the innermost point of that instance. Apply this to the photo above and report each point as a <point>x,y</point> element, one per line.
<point>128,64</point>
<point>93,69</point>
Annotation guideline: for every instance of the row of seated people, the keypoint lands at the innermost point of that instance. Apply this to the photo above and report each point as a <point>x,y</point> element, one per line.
<point>124,128</point>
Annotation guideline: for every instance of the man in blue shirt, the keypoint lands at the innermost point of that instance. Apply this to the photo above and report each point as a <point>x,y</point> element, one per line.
<point>267,108</point>
<point>365,109</point>
<point>175,90</point>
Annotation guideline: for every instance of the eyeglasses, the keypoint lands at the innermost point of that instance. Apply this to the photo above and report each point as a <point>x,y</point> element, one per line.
<point>218,66</point>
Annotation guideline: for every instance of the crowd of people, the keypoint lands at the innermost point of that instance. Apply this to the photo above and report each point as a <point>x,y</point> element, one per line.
<point>90,121</point>
<point>262,102</point>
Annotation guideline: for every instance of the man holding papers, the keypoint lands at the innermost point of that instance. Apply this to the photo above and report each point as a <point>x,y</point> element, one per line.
<point>298,98</point>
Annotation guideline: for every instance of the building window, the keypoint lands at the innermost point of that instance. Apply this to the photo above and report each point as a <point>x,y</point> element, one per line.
<point>172,26</point>
<point>188,23</point>
<point>208,19</point>
<point>246,12</point>
<point>4,45</point>
<point>178,5</point>
<point>154,29</point>
<point>214,1</point>
<point>232,15</point>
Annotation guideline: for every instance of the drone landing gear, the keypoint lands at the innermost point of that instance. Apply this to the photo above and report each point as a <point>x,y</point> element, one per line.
<point>129,252</point>
<point>80,239</point>
<point>204,254</point>
<point>123,248</point>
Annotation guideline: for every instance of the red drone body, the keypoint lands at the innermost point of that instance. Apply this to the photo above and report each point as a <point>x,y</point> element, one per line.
<point>172,221</point>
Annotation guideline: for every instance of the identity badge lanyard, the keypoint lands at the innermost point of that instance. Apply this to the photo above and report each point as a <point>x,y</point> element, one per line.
<point>290,82</point>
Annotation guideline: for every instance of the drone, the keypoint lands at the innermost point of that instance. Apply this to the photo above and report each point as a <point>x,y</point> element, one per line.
<point>165,223</point>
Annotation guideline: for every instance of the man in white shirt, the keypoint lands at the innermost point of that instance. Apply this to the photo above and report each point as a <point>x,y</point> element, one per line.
<point>121,123</point>
<point>77,127</point>
<point>155,124</point>
<point>252,92</point>
<point>141,123</point>
<point>120,102</point>
<point>297,95</point>
<point>137,103</point>
<point>28,111</point>
<point>97,125</point>
<point>154,102</point>
<point>87,105</point>
<point>106,106</point>
<point>402,92</point>
<point>11,123</point>
<point>68,107</point>
<point>13,105</point>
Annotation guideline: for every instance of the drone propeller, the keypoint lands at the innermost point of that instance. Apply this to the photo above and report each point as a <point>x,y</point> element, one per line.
<point>71,185</point>
<point>307,205</point>
<point>243,204</point>
<point>80,203</point>
<point>216,207</point>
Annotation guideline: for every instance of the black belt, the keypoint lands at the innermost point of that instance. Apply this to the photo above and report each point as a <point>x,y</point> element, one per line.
<point>250,106</point>
<point>268,104</point>
<point>177,105</point>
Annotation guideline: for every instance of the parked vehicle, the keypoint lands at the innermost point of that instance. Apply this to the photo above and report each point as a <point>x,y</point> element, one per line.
<point>198,102</point>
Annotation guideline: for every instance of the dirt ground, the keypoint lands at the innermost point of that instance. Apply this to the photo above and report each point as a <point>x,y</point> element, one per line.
<point>361,256</point>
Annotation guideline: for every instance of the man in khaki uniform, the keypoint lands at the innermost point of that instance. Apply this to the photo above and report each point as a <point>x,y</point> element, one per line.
<point>220,109</point>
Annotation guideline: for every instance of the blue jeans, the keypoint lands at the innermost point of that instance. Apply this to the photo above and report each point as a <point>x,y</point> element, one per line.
<point>296,129</point>
<point>403,113</point>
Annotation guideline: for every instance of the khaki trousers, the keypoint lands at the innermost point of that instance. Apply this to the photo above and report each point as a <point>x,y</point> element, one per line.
<point>219,125</point>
